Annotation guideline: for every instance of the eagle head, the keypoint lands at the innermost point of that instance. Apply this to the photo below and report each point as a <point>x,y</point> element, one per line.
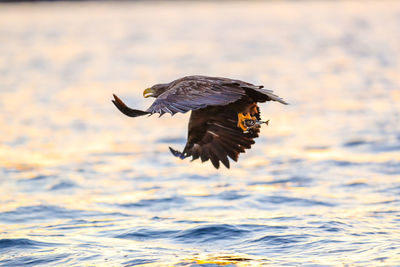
<point>155,90</point>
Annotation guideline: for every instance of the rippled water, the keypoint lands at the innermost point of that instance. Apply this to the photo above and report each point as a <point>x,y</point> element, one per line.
<point>82,185</point>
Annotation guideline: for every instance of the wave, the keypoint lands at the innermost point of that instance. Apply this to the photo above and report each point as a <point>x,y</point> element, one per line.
<point>294,201</point>
<point>47,212</point>
<point>141,234</point>
<point>156,203</point>
<point>277,240</point>
<point>24,243</point>
<point>210,233</point>
<point>35,260</point>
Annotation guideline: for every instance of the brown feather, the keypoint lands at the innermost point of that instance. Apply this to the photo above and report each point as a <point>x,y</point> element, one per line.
<point>214,135</point>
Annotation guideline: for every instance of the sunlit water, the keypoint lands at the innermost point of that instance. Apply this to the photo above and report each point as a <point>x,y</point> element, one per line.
<point>82,185</point>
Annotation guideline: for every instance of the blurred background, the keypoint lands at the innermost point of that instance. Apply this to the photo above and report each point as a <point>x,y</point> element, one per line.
<point>83,185</point>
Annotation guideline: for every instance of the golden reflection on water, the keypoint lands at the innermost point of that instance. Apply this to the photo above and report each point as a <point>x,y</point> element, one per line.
<point>237,260</point>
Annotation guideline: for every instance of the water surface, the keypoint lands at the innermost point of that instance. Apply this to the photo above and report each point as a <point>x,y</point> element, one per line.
<point>82,185</point>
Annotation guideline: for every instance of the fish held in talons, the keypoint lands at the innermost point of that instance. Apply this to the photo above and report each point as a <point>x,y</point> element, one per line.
<point>247,122</point>
<point>250,124</point>
<point>242,118</point>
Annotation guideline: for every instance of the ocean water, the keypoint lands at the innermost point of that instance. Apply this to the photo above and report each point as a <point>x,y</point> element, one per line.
<point>83,185</point>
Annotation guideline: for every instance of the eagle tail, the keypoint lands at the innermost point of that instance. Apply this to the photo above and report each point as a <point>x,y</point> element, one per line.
<point>127,110</point>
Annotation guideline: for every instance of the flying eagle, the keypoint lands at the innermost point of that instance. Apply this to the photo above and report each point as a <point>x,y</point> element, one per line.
<point>225,117</point>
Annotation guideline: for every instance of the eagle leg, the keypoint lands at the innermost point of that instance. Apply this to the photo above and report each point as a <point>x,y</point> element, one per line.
<point>254,109</point>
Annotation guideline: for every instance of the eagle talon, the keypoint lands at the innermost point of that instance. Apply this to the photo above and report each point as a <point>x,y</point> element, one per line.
<point>248,122</point>
<point>241,119</point>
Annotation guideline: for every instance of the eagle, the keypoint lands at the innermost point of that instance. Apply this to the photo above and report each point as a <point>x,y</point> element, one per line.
<point>224,119</point>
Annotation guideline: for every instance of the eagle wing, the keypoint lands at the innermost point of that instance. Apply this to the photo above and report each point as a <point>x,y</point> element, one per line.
<point>214,135</point>
<point>193,94</point>
<point>198,92</point>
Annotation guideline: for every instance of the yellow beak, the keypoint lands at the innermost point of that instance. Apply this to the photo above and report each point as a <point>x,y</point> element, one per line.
<point>148,92</point>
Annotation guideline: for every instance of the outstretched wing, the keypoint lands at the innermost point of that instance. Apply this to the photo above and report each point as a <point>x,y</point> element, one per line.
<point>197,92</point>
<point>214,135</point>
